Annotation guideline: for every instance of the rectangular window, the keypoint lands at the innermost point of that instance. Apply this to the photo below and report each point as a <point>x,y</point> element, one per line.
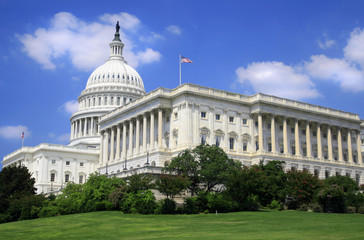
<point>218,117</point>
<point>67,163</point>
<point>256,123</point>
<point>324,135</point>
<point>257,145</point>
<point>80,179</point>
<point>53,161</point>
<point>303,131</point>
<point>344,139</point>
<point>81,164</point>
<point>231,119</point>
<point>203,114</point>
<point>245,146</point>
<point>218,140</point>
<point>316,172</point>
<point>112,100</point>
<point>245,121</point>
<point>118,101</point>
<point>231,143</point>
<point>269,126</point>
<point>105,101</point>
<point>203,139</point>
<point>292,130</point>
<point>281,127</point>
<point>99,101</point>
<point>293,149</point>
<point>314,134</point>
<point>334,137</point>
<point>175,115</point>
<point>269,147</point>
<point>53,177</point>
<point>66,178</point>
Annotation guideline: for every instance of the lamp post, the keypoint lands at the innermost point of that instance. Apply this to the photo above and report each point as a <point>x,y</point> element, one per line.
<point>125,165</point>
<point>107,164</point>
<point>147,163</point>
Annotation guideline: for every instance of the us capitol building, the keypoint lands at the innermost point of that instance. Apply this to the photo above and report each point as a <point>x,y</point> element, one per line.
<point>120,130</point>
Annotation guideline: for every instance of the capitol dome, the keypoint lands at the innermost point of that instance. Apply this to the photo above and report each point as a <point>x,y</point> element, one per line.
<point>110,86</point>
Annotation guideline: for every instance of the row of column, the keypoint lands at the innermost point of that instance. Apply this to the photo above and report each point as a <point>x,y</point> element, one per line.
<point>114,140</point>
<point>84,127</point>
<point>308,140</point>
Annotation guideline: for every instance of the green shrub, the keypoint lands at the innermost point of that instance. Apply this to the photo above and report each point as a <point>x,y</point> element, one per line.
<point>167,206</point>
<point>332,198</point>
<point>315,207</point>
<point>303,207</point>
<point>48,211</point>
<point>361,209</point>
<point>351,209</point>
<point>250,204</point>
<point>220,203</point>
<point>142,202</point>
<point>275,204</point>
<point>190,206</point>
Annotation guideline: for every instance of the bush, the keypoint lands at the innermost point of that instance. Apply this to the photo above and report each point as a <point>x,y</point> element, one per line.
<point>21,209</point>
<point>250,204</point>
<point>315,207</point>
<point>275,205</point>
<point>332,198</point>
<point>303,207</point>
<point>167,206</point>
<point>220,203</point>
<point>142,202</point>
<point>190,206</point>
<point>361,210</point>
<point>48,211</point>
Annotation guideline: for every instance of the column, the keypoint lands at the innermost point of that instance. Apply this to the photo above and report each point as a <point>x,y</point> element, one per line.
<point>358,147</point>
<point>285,138</point>
<point>92,127</point>
<point>137,133</point>
<point>297,138</point>
<point>130,151</point>
<point>260,132</point>
<point>72,129</point>
<point>339,145</point>
<point>77,133</point>
<point>112,144</point>
<point>273,134</point>
<point>152,130</point>
<point>85,127</point>
<point>124,139</point>
<point>101,148</point>
<point>329,143</point>
<point>145,132</point>
<point>319,142</point>
<point>106,147</point>
<point>118,132</point>
<point>308,139</point>
<point>160,128</point>
<point>350,149</point>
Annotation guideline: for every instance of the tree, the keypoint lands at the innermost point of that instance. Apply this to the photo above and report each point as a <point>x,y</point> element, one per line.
<point>214,165</point>
<point>139,182</point>
<point>185,165</point>
<point>302,186</point>
<point>15,182</point>
<point>171,185</point>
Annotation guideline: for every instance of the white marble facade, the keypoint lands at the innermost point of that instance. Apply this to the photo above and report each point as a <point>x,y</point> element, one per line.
<point>160,124</point>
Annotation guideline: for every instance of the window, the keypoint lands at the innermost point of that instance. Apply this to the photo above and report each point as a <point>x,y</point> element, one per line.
<point>316,172</point>
<point>292,130</point>
<point>218,140</point>
<point>118,101</point>
<point>67,163</point>
<point>231,143</point>
<point>53,177</point>
<point>203,139</point>
<point>269,126</point>
<point>175,115</point>
<point>218,117</point>
<point>344,139</point>
<point>334,137</point>
<point>203,114</point>
<point>80,179</point>
<point>53,161</point>
<point>81,164</point>
<point>245,121</point>
<point>93,101</point>
<point>245,146</point>
<point>124,100</point>
<point>257,145</point>
<point>99,101</point>
<point>347,174</point>
<point>269,147</point>
<point>324,135</point>
<point>231,119</point>
<point>314,134</point>
<point>112,100</point>
<point>66,178</point>
<point>256,123</point>
<point>293,149</point>
<point>281,127</point>
<point>327,174</point>
<point>357,178</point>
<point>167,119</point>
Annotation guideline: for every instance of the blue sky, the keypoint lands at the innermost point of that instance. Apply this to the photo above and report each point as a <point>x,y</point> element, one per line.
<point>312,51</point>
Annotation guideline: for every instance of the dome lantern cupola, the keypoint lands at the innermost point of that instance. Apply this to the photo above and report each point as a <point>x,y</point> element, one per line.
<point>116,46</point>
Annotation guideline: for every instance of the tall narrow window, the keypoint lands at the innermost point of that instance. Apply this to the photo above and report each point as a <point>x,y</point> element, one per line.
<point>231,143</point>
<point>203,139</point>
<point>203,114</point>
<point>218,140</point>
<point>80,179</point>
<point>53,177</point>
<point>66,178</point>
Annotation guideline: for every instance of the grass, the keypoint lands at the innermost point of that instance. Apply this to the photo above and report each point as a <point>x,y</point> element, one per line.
<point>242,225</point>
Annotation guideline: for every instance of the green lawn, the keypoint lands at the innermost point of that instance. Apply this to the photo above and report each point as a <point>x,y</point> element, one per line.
<point>242,225</point>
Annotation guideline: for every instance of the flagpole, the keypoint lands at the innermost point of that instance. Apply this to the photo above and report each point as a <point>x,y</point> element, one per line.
<point>180,73</point>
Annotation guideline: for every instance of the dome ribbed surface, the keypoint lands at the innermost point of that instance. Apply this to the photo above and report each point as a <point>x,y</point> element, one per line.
<point>115,72</point>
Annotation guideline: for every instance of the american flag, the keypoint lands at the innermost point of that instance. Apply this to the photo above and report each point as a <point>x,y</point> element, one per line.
<point>22,135</point>
<point>185,60</point>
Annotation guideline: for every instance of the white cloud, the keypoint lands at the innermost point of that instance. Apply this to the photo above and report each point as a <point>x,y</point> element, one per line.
<point>325,42</point>
<point>354,50</point>
<point>83,42</point>
<point>338,70</point>
<point>148,56</point>
<point>278,79</point>
<point>14,132</point>
<point>69,107</point>
<point>174,29</point>
<point>63,138</point>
